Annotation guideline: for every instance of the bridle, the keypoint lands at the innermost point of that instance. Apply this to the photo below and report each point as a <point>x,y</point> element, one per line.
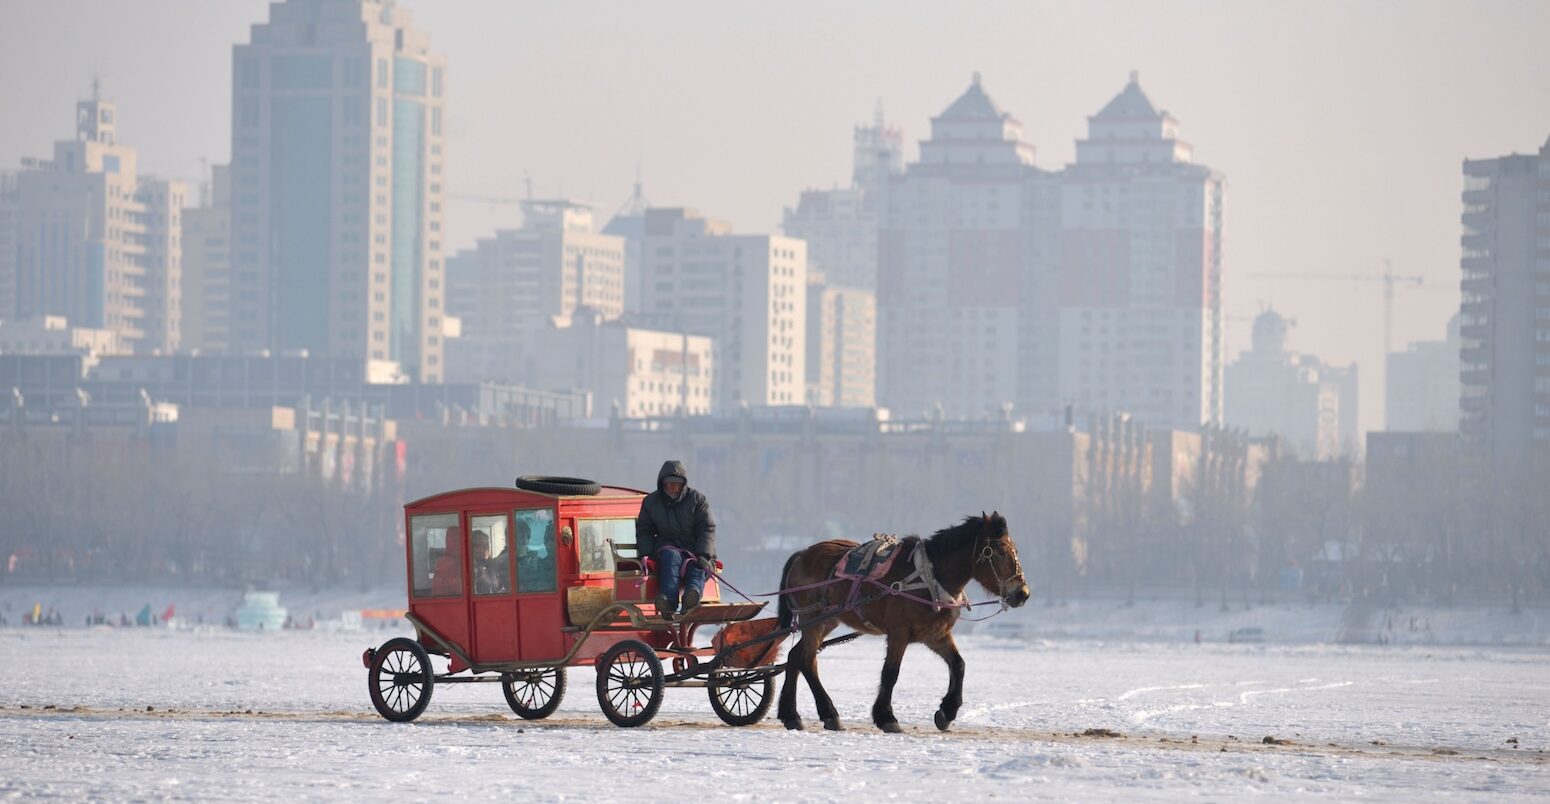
<point>999,547</point>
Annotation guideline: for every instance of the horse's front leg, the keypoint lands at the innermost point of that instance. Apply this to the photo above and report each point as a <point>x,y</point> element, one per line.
<point>882,709</point>
<point>948,650</point>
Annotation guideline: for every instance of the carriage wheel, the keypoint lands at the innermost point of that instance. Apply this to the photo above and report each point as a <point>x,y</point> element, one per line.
<point>741,698</point>
<point>629,683</point>
<point>534,694</point>
<point>400,680</point>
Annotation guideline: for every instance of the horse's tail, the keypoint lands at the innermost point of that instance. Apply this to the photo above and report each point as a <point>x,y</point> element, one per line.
<point>783,608</point>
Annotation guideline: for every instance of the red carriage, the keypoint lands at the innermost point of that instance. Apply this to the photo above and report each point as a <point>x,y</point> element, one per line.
<point>514,585</point>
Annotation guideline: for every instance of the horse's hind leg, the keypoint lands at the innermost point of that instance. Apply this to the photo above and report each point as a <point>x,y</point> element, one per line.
<point>882,709</point>
<point>830,716</point>
<point>948,650</point>
<point>787,709</point>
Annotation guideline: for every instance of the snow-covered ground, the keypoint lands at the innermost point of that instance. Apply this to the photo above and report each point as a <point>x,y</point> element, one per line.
<point>1406,722</point>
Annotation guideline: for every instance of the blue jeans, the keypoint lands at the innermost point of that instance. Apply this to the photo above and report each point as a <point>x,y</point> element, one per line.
<point>670,561</point>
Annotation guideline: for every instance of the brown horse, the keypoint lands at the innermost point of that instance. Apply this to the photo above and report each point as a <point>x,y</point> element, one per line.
<point>979,549</point>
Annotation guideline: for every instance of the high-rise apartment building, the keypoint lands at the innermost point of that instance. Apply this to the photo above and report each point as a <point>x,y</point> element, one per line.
<point>747,292</point>
<point>841,345</point>
<point>507,288</point>
<point>1141,271</point>
<point>1095,287</point>
<point>1422,385</point>
<point>338,164</point>
<point>1505,328</point>
<point>207,267</point>
<point>97,243</point>
<point>964,249</point>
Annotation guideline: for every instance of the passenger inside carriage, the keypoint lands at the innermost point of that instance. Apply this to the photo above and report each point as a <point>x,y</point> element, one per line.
<point>489,574</point>
<point>447,578</point>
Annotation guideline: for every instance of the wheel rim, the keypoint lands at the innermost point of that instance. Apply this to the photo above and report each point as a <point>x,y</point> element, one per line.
<point>534,689</point>
<point>401,683</point>
<point>631,683</point>
<point>740,694</point>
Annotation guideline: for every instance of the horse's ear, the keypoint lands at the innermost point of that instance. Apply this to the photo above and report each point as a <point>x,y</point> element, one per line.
<point>983,517</point>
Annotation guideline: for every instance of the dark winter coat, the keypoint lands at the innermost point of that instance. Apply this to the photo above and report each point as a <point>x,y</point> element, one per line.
<point>685,522</point>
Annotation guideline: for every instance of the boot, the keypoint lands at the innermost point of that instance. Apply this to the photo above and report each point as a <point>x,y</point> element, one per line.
<point>691,599</point>
<point>665,607</point>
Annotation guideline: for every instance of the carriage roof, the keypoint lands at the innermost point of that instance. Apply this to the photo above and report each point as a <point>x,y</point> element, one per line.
<point>494,494</point>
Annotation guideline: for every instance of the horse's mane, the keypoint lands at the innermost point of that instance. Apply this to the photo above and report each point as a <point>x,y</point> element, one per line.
<point>951,539</point>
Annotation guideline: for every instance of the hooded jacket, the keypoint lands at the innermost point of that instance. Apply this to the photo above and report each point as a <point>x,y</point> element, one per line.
<point>685,522</point>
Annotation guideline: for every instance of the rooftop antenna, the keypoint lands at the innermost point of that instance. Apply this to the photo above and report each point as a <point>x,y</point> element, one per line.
<point>637,203</point>
<point>528,182</point>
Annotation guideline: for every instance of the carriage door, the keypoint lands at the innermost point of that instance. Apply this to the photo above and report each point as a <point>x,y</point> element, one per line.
<point>539,612</point>
<point>489,583</point>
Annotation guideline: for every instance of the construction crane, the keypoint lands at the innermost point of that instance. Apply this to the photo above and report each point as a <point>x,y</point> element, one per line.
<point>1389,280</point>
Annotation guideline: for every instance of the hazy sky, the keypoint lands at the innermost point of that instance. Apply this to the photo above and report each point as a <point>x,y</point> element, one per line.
<point>1341,126</point>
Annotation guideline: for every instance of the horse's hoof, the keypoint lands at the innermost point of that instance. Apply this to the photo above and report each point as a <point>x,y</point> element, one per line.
<point>891,728</point>
<point>794,724</point>
<point>942,720</point>
<point>833,724</point>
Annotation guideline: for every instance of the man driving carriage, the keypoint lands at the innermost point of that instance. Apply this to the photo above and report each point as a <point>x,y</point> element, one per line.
<point>675,526</point>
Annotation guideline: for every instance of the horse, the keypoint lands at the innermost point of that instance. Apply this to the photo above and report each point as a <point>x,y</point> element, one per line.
<point>979,548</point>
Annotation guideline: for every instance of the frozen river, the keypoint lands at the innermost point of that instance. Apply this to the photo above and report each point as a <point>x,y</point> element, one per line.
<point>1380,723</point>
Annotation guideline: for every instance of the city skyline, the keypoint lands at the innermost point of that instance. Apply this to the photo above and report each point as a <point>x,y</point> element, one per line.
<point>1329,169</point>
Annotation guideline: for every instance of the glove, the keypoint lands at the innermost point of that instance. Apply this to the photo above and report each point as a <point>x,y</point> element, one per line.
<point>706,563</point>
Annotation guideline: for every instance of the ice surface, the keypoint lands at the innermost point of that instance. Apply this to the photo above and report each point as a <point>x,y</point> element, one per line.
<point>314,735</point>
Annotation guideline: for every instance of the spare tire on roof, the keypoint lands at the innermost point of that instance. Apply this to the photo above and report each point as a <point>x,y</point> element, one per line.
<point>548,484</point>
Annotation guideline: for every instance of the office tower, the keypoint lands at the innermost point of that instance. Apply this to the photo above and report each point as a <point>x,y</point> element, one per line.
<point>338,162</point>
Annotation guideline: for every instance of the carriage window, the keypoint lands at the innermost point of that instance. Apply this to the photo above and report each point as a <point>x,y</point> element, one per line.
<point>535,550</point>
<point>595,534</point>
<point>489,545</point>
<point>437,546</point>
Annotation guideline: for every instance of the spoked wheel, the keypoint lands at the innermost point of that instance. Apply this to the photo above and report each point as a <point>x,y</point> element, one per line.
<point>534,694</point>
<point>740,697</point>
<point>400,680</point>
<point>629,683</point>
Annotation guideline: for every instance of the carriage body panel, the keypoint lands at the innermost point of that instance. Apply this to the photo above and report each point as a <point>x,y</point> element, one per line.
<point>510,605</point>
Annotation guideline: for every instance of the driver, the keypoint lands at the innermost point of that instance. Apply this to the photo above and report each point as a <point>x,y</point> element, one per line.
<point>675,524</point>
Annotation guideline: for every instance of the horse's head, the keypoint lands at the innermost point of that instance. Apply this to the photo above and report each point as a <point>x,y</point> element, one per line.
<point>996,566</point>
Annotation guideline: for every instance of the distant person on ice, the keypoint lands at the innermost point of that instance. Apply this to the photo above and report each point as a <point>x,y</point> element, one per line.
<point>675,520</point>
